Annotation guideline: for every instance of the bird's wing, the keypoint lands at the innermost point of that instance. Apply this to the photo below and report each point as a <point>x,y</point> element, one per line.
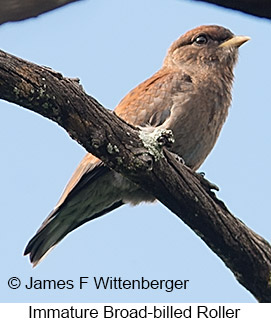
<point>151,102</point>
<point>89,168</point>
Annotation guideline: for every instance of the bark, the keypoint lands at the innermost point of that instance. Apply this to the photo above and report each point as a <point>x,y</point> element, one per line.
<point>102,133</point>
<point>15,10</point>
<point>259,8</point>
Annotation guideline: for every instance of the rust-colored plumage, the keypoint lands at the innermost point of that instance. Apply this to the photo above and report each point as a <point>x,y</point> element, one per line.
<point>190,95</point>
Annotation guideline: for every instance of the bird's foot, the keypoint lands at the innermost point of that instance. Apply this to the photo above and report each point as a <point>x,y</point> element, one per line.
<point>155,140</point>
<point>209,185</point>
<point>165,138</point>
<point>179,158</point>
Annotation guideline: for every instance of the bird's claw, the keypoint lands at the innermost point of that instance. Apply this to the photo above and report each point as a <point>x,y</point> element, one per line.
<point>155,140</point>
<point>179,159</point>
<point>165,138</point>
<point>209,185</point>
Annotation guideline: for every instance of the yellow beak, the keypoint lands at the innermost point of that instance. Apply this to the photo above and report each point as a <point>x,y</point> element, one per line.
<point>235,41</point>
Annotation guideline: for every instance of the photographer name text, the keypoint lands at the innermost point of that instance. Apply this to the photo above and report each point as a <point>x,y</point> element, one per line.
<point>100,283</point>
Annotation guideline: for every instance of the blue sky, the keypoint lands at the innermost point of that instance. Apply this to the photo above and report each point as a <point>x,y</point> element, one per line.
<point>112,46</point>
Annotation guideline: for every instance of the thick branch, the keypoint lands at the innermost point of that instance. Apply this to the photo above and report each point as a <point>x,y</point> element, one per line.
<point>260,8</point>
<point>14,10</point>
<point>102,133</point>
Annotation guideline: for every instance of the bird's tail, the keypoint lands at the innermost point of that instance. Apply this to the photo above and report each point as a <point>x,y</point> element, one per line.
<point>92,192</point>
<point>89,199</point>
<point>52,233</point>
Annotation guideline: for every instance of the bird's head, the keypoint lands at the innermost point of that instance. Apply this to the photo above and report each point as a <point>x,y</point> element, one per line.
<point>205,46</point>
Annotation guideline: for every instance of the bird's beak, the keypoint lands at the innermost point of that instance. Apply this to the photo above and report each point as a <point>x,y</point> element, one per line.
<point>235,41</point>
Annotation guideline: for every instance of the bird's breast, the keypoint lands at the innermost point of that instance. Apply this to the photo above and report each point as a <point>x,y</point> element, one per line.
<point>196,123</point>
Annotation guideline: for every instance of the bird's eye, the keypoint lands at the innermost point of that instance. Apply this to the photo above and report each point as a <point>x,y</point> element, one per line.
<point>201,40</point>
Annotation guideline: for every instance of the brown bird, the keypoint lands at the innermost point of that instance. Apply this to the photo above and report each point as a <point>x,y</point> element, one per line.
<point>190,95</point>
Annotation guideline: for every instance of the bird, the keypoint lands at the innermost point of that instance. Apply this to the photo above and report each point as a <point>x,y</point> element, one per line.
<point>189,95</point>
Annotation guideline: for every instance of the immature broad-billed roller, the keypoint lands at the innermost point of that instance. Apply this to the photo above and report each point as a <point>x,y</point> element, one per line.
<point>190,95</point>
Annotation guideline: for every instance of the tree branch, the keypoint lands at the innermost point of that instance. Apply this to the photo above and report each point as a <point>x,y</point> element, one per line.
<point>260,8</point>
<point>16,10</point>
<point>102,133</point>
